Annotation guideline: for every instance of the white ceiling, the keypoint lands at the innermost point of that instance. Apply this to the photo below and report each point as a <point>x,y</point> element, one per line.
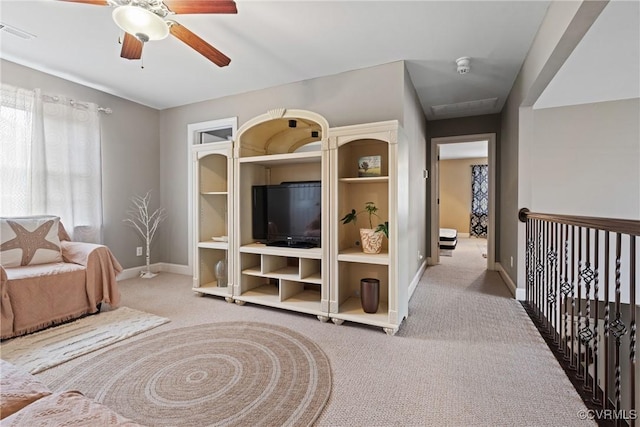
<point>272,43</point>
<point>605,65</point>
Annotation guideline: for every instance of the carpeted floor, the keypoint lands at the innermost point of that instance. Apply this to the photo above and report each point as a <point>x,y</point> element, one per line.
<point>468,355</point>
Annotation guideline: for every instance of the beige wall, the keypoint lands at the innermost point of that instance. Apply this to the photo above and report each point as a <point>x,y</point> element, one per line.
<point>455,192</point>
<point>585,160</point>
<point>415,190</point>
<point>130,155</point>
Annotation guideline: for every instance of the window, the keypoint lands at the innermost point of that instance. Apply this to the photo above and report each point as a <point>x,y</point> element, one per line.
<point>50,160</point>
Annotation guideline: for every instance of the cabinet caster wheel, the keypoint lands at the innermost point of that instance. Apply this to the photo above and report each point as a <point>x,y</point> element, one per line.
<point>240,302</point>
<point>229,300</point>
<point>337,321</point>
<point>323,319</point>
<point>390,331</point>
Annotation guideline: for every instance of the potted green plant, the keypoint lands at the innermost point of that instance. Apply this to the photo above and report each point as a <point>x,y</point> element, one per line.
<point>370,238</point>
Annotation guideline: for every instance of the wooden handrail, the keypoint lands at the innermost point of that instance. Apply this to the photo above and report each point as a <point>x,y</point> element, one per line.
<point>614,225</point>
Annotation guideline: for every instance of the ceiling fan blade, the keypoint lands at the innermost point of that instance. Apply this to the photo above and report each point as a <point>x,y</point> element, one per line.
<point>201,6</point>
<point>199,45</point>
<point>131,47</point>
<point>96,2</point>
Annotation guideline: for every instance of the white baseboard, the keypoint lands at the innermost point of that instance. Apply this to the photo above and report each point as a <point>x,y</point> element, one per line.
<point>176,268</point>
<point>416,279</point>
<point>518,293</point>
<point>133,272</point>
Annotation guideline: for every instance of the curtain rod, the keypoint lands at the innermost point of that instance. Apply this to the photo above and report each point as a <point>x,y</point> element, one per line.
<point>73,103</point>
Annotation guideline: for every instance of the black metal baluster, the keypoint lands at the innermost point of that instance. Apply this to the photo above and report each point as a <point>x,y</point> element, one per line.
<point>596,299</point>
<point>535,269</point>
<point>530,275</point>
<point>556,287</point>
<point>545,275</point>
<point>527,261</point>
<point>551,279</point>
<point>566,289</point>
<point>632,305</point>
<point>605,326</point>
<point>586,335</point>
<point>573,295</point>
<point>539,269</point>
<point>579,267</point>
<point>617,327</point>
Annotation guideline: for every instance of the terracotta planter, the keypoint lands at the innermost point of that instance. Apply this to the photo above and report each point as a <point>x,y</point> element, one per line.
<point>371,240</point>
<point>369,294</point>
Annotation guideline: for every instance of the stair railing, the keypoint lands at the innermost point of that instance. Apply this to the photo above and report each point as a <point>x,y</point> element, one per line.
<point>581,290</point>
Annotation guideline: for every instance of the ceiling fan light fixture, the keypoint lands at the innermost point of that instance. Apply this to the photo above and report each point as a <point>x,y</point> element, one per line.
<point>140,22</point>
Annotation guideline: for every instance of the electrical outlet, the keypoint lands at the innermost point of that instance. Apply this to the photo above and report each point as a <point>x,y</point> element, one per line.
<point>139,251</point>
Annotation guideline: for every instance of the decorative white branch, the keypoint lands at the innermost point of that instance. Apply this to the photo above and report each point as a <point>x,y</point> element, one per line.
<point>138,217</point>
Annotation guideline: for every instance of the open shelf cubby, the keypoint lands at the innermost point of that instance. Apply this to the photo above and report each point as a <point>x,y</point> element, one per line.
<point>281,277</point>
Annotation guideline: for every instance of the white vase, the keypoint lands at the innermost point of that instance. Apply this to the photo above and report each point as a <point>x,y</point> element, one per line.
<point>371,240</point>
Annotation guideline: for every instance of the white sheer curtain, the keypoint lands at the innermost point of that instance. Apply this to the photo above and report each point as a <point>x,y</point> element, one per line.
<point>51,160</point>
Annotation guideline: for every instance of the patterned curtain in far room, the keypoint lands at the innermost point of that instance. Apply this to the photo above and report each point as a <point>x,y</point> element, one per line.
<point>479,200</point>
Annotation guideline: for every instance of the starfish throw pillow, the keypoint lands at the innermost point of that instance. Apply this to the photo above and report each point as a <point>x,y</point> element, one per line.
<point>29,241</point>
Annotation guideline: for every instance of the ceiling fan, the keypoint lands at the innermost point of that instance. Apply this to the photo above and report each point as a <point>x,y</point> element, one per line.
<point>145,20</point>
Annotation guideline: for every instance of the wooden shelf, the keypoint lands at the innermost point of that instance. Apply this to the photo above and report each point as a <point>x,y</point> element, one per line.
<point>313,278</point>
<point>356,255</point>
<point>280,159</point>
<point>261,294</point>
<point>214,245</point>
<point>365,180</point>
<point>307,301</point>
<point>212,288</point>
<point>351,310</point>
<point>287,273</point>
<point>262,249</point>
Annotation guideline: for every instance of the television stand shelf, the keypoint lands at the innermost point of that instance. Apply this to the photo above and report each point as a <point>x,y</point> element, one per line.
<point>282,277</point>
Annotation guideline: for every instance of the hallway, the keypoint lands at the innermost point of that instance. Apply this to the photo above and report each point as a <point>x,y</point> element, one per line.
<point>497,360</point>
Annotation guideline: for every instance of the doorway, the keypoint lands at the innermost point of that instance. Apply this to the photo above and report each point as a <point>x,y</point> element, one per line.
<point>464,142</point>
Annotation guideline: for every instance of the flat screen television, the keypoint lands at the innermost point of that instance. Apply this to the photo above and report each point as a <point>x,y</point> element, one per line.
<point>287,214</point>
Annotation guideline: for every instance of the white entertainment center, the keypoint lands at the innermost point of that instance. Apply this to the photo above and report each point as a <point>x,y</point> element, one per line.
<point>292,146</point>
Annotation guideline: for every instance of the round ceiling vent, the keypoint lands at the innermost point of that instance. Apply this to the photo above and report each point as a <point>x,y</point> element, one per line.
<point>463,65</point>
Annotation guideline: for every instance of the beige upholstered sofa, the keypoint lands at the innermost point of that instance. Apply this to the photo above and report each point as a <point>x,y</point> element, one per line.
<point>25,401</point>
<point>46,279</point>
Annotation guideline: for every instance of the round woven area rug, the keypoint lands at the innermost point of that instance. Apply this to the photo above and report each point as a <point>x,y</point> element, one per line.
<point>232,373</point>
